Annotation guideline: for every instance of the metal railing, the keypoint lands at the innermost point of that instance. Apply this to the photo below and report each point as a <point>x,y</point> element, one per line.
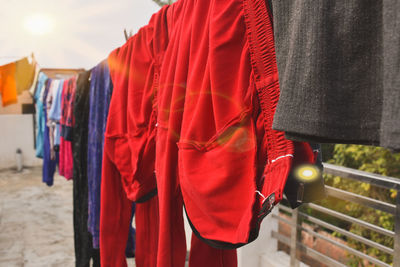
<point>297,217</point>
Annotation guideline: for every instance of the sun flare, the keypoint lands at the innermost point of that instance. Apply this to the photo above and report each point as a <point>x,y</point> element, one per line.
<point>39,24</point>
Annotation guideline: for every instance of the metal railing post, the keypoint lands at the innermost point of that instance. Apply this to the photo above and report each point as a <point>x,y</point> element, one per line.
<point>396,256</point>
<point>295,236</point>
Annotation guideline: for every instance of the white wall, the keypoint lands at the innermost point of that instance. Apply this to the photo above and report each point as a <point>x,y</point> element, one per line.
<point>17,132</point>
<point>251,255</point>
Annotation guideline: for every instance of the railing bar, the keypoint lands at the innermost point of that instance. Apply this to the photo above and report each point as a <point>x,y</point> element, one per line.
<point>281,238</point>
<point>351,250</point>
<point>348,234</point>
<point>346,218</point>
<point>295,237</point>
<point>281,219</point>
<point>362,176</point>
<point>396,258</point>
<point>351,219</point>
<point>321,257</point>
<point>370,202</point>
<point>309,251</point>
<point>337,229</point>
<point>287,209</point>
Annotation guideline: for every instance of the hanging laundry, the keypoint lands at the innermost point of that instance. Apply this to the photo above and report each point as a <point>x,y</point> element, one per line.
<point>100,96</point>
<point>33,88</point>
<point>390,126</point>
<point>61,147</point>
<point>83,239</point>
<point>40,118</point>
<point>339,71</point>
<point>131,242</point>
<point>180,126</point>
<point>8,87</point>
<point>67,120</point>
<point>55,112</point>
<point>52,114</point>
<point>24,74</point>
<point>132,80</point>
<point>50,157</point>
<point>66,124</point>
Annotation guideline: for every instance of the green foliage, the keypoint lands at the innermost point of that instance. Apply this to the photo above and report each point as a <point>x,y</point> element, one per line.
<point>371,159</point>
<point>367,158</point>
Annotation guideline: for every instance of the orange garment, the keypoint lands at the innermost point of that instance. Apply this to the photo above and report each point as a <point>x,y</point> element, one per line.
<point>24,74</point>
<point>8,89</point>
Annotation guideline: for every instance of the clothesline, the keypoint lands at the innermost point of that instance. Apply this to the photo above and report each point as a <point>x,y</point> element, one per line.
<point>11,56</point>
<point>32,55</point>
<point>21,74</point>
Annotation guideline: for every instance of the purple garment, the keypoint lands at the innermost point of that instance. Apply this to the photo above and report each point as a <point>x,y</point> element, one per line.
<point>49,166</point>
<point>100,96</point>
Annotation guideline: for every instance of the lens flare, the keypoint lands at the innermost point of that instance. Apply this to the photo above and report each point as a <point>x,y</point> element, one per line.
<point>307,173</point>
<point>39,24</point>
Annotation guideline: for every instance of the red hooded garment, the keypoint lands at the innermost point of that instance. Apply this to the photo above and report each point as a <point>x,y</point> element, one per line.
<point>194,96</point>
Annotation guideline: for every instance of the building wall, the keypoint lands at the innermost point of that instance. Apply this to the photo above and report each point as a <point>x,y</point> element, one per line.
<point>17,132</point>
<point>24,98</point>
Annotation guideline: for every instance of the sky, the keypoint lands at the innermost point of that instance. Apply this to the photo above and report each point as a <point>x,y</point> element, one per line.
<point>68,33</point>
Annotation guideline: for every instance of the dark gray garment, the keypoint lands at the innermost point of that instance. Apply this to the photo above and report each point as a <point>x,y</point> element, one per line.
<point>338,65</point>
<point>390,125</point>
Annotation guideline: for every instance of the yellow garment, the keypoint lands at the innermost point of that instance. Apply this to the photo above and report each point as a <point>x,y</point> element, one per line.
<point>24,74</point>
<point>35,77</point>
<point>8,89</point>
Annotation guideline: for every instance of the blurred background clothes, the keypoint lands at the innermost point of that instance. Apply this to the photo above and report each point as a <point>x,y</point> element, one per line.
<point>24,74</point>
<point>8,87</point>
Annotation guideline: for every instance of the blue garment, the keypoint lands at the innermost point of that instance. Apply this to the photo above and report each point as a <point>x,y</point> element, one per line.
<point>40,121</point>
<point>100,97</point>
<point>131,243</point>
<point>55,111</point>
<point>49,165</point>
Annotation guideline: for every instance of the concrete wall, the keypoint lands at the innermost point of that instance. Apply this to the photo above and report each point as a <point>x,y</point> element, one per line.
<point>17,132</point>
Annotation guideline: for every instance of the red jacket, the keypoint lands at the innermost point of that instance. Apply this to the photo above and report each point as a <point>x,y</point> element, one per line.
<point>194,96</point>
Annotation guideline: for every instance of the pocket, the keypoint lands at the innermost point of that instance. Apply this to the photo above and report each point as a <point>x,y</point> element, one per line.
<point>218,182</point>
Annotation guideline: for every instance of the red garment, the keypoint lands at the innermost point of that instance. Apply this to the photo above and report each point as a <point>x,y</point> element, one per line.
<point>61,165</point>
<point>67,121</point>
<point>65,165</point>
<point>129,141</point>
<point>194,96</point>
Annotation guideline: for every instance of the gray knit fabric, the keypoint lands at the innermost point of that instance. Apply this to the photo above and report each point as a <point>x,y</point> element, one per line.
<point>338,65</point>
<point>390,125</point>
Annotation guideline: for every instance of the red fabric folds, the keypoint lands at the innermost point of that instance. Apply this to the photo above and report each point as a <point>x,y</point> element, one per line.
<point>128,161</point>
<point>195,92</point>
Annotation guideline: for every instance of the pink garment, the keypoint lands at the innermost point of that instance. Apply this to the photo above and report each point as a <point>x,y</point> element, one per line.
<point>66,122</point>
<point>66,164</point>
